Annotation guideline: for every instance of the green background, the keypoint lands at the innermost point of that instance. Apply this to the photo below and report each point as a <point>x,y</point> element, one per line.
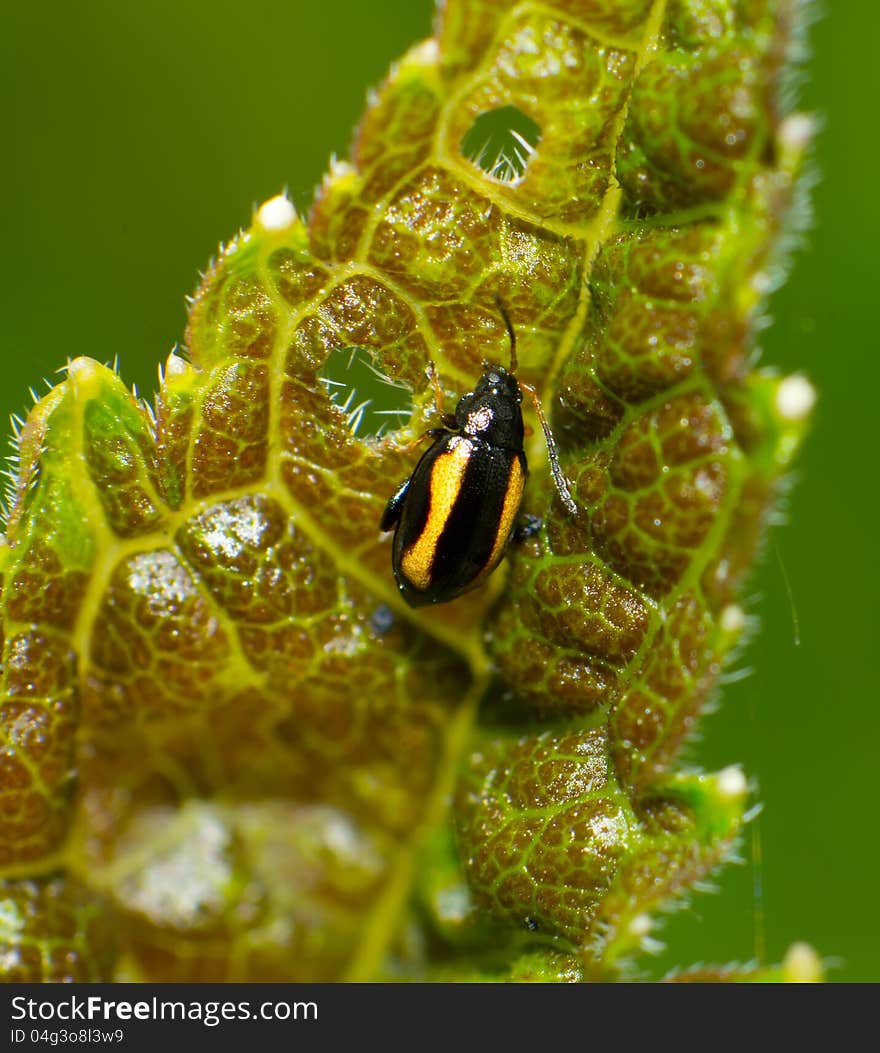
<point>138,136</point>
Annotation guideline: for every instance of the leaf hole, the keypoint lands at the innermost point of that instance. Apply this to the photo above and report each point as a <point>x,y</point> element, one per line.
<point>501,143</point>
<point>373,402</point>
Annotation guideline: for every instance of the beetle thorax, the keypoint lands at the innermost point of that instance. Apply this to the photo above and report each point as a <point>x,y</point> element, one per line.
<point>492,411</point>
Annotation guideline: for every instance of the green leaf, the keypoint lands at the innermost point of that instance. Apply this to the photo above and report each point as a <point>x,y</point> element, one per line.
<point>221,722</point>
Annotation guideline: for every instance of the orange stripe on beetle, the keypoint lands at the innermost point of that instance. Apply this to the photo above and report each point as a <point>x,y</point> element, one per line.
<point>516,483</point>
<point>447,475</point>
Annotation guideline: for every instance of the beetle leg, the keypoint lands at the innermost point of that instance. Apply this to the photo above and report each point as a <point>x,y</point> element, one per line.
<point>392,510</point>
<point>431,433</point>
<point>526,526</point>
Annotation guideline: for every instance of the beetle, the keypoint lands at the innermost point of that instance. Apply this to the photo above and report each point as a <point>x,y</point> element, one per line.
<point>455,515</point>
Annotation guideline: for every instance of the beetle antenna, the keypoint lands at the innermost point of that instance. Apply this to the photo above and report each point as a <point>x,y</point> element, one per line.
<point>558,478</point>
<point>500,303</point>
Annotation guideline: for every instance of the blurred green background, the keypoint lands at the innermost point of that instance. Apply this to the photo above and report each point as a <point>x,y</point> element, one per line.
<point>138,136</point>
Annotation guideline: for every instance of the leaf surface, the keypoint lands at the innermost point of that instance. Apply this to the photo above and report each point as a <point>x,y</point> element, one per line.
<point>221,722</point>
